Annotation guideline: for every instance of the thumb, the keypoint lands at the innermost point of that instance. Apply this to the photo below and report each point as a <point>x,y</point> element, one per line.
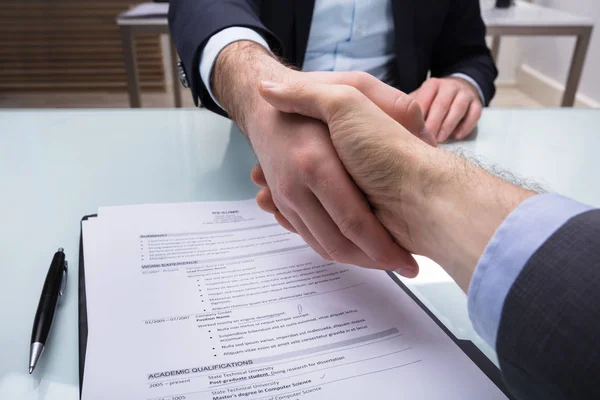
<point>407,112</point>
<point>316,100</point>
<point>402,107</point>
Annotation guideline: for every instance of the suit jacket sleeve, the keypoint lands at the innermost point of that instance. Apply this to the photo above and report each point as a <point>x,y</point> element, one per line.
<point>193,22</point>
<point>549,334</point>
<point>461,47</point>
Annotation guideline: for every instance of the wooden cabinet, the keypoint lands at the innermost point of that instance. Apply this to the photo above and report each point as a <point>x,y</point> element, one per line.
<point>57,45</point>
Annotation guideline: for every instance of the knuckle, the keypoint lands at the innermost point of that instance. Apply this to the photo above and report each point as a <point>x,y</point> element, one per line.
<point>343,99</point>
<point>446,101</point>
<point>471,95</point>
<point>433,83</point>
<point>338,251</point>
<point>334,253</point>
<point>346,92</point>
<point>360,79</point>
<point>350,97</point>
<point>306,163</point>
<point>465,99</point>
<point>285,192</point>
<point>341,92</point>
<point>351,226</point>
<point>444,105</point>
<point>265,201</point>
<point>383,258</point>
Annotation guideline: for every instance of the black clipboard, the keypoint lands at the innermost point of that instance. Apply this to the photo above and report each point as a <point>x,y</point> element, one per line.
<point>468,347</point>
<point>82,309</point>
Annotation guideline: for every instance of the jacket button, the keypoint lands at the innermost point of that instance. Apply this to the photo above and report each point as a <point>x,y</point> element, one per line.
<point>182,75</point>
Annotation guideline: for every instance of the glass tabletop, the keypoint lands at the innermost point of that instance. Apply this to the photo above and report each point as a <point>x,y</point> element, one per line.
<point>57,166</point>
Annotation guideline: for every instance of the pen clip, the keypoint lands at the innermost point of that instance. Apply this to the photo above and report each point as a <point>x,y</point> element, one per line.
<point>63,283</point>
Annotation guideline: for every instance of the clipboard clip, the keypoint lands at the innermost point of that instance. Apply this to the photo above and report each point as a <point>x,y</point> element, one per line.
<point>63,284</point>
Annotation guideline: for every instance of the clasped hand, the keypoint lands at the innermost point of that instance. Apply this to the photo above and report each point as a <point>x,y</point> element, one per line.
<point>350,130</point>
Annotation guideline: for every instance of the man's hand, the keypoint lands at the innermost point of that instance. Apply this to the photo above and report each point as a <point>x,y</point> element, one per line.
<point>397,105</point>
<point>311,188</point>
<point>451,106</point>
<point>309,185</point>
<point>392,101</point>
<point>433,202</point>
<point>365,139</point>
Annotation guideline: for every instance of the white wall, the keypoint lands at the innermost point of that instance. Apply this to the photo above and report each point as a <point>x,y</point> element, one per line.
<point>552,55</point>
<point>509,59</point>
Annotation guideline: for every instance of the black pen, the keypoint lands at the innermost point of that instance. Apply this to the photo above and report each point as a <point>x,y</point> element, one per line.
<point>54,287</point>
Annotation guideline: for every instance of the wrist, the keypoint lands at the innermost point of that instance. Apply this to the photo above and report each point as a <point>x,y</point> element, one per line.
<point>470,210</point>
<point>452,209</point>
<point>237,72</point>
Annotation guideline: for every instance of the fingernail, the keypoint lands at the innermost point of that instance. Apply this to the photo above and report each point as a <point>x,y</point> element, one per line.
<point>428,137</point>
<point>268,85</point>
<point>441,136</point>
<point>405,272</point>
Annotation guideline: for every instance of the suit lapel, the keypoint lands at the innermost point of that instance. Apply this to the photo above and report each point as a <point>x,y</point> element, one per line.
<point>304,12</point>
<point>405,12</point>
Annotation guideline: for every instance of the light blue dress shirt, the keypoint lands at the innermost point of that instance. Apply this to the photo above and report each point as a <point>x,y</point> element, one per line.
<point>520,235</point>
<point>345,35</point>
<point>352,36</point>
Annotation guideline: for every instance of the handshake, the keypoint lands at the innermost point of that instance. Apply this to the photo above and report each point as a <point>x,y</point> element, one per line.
<point>363,183</point>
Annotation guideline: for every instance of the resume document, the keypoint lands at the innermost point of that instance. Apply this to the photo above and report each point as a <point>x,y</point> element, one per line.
<point>216,301</point>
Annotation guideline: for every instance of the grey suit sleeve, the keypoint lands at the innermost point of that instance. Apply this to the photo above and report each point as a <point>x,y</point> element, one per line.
<point>549,335</point>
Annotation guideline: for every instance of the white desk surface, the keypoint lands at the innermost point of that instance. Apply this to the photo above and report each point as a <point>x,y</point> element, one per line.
<point>524,14</point>
<point>57,166</point>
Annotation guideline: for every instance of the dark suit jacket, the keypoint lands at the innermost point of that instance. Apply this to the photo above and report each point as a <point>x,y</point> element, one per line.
<point>441,36</point>
<point>549,335</point>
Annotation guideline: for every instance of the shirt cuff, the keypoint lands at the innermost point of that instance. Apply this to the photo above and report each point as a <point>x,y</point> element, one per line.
<point>472,82</point>
<point>217,43</point>
<point>520,235</point>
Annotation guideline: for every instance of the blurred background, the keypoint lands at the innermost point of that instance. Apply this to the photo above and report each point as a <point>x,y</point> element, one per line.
<point>69,54</point>
<point>75,54</point>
